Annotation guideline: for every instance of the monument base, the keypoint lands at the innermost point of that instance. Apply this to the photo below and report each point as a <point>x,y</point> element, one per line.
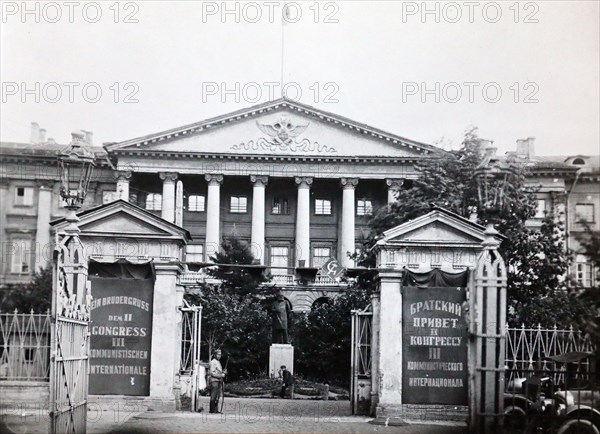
<point>280,354</point>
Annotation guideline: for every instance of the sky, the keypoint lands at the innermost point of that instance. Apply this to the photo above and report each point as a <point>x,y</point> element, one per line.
<point>422,70</point>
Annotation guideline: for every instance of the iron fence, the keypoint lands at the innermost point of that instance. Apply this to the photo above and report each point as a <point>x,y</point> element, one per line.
<point>25,346</point>
<point>528,349</point>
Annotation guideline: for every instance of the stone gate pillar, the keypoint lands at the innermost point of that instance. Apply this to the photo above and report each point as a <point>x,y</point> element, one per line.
<point>441,282</point>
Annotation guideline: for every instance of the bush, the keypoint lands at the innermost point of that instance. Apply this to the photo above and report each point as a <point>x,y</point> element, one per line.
<point>322,339</point>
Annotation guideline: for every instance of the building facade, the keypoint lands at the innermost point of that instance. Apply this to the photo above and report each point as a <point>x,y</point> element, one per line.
<point>298,184</point>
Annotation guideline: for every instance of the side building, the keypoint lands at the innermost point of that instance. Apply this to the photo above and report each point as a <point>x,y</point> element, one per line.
<point>298,184</point>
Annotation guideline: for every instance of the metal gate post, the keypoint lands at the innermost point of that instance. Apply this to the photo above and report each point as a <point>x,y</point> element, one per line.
<point>70,338</point>
<point>490,321</point>
<point>361,357</point>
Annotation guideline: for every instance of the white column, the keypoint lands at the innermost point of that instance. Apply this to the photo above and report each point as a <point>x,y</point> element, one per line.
<point>393,186</point>
<point>213,233</point>
<point>168,196</point>
<point>43,251</point>
<point>179,204</point>
<point>123,177</point>
<point>348,184</point>
<point>258,216</point>
<point>3,200</point>
<point>303,221</point>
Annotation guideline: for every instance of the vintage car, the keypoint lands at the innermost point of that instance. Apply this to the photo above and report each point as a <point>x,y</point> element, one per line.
<point>578,401</point>
<point>535,404</point>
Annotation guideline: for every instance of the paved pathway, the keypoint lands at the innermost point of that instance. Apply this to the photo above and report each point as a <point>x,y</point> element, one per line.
<point>271,416</point>
<point>239,416</point>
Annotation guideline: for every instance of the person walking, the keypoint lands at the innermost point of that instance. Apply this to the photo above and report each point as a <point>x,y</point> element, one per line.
<point>217,374</point>
<point>288,380</point>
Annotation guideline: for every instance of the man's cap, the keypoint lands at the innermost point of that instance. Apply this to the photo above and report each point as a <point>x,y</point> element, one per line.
<point>282,366</point>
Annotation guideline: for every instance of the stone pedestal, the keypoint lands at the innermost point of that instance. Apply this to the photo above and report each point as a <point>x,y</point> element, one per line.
<point>280,354</point>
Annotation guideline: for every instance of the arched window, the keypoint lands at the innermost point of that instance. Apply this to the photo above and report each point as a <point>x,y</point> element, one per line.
<point>579,162</point>
<point>320,302</point>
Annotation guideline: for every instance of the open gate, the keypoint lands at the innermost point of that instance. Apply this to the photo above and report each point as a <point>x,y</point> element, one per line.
<point>69,339</point>
<point>190,351</point>
<point>360,384</point>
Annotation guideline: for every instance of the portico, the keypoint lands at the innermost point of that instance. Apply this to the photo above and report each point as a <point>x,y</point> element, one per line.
<point>298,184</point>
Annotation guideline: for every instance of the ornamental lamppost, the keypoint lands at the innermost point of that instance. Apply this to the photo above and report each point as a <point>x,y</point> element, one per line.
<point>71,298</point>
<point>75,166</point>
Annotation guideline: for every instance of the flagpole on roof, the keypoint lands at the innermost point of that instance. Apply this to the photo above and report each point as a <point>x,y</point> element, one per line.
<point>283,18</point>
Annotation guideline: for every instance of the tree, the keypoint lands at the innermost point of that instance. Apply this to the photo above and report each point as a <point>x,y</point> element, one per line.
<point>238,280</point>
<point>537,261</point>
<point>322,338</point>
<point>35,295</point>
<point>238,325</point>
<point>234,318</point>
<point>589,241</point>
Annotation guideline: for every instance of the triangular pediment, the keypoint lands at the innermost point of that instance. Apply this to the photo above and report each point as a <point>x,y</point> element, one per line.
<point>280,127</point>
<point>438,227</point>
<point>123,222</point>
<point>122,219</point>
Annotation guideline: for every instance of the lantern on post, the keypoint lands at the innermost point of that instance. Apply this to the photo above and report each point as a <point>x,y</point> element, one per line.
<point>75,165</point>
<point>71,297</point>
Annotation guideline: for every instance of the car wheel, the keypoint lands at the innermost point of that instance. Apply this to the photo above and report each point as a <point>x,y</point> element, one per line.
<point>514,416</point>
<point>578,426</point>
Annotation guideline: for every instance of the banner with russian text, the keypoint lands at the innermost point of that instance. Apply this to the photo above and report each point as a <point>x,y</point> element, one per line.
<point>121,336</point>
<point>434,350</point>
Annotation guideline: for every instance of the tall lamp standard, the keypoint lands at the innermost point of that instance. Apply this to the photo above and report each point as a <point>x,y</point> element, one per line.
<point>71,298</point>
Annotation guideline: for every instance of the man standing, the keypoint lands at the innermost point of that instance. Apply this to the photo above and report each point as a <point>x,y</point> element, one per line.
<point>217,374</point>
<point>288,380</point>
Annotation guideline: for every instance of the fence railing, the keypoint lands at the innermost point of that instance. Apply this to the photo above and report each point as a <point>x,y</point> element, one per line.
<point>529,349</point>
<point>25,346</point>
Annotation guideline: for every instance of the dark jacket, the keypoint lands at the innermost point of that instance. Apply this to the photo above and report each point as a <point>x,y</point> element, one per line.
<point>288,378</point>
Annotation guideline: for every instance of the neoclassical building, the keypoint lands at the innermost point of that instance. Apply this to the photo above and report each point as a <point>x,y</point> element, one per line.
<point>297,183</point>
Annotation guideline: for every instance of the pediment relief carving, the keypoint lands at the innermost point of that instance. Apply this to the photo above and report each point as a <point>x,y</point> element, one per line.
<point>282,136</point>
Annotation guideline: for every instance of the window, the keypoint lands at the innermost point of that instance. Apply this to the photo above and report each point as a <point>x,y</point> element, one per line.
<point>364,207</point>
<point>196,203</point>
<point>320,256</point>
<point>29,355</point>
<point>24,196</point>
<point>21,256</point>
<point>584,212</point>
<point>578,162</point>
<point>194,253</point>
<point>154,201</point>
<point>109,196</point>
<point>322,207</point>
<point>584,274</point>
<point>281,205</point>
<point>540,211</point>
<point>279,258</point>
<point>238,204</point>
